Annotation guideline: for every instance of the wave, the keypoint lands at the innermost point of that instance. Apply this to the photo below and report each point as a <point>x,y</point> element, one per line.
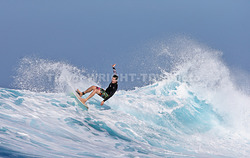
<point>193,110</point>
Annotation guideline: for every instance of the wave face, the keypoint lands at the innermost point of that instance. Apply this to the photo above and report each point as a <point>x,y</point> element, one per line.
<point>194,110</point>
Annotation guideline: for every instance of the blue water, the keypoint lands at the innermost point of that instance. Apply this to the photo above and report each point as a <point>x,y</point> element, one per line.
<point>152,121</point>
<point>195,110</point>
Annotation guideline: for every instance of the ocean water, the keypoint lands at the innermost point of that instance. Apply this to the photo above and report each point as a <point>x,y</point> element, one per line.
<point>196,109</point>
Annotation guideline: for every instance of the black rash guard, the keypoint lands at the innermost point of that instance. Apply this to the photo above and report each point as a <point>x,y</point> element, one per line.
<point>111,88</point>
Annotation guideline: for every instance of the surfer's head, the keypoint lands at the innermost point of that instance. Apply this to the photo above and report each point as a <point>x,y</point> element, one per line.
<point>114,79</point>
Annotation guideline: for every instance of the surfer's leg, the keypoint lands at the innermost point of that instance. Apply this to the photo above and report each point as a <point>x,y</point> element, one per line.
<point>87,91</point>
<point>90,89</point>
<point>95,91</point>
<point>79,92</point>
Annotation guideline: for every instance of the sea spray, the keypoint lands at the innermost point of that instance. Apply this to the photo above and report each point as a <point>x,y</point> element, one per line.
<point>41,75</point>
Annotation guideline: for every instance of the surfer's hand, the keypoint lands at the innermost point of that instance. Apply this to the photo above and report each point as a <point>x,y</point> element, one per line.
<point>113,65</point>
<point>102,103</point>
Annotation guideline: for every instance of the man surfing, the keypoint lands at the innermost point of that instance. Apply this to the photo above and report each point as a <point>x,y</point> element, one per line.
<point>105,94</point>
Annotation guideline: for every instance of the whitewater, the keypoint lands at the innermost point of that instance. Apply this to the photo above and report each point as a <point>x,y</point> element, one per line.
<point>196,109</point>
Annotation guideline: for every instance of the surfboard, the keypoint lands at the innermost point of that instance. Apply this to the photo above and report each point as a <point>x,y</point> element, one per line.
<point>81,104</point>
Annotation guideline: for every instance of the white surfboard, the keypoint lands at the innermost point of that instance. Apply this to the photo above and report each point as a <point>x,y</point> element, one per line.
<point>80,103</point>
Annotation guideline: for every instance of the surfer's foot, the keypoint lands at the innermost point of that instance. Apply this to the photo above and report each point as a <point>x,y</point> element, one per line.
<point>83,100</point>
<point>79,92</point>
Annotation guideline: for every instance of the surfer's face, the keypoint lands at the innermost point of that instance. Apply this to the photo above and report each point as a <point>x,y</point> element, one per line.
<point>114,80</point>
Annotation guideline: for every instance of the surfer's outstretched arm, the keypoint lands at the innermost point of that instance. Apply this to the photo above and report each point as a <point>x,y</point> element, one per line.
<point>112,86</point>
<point>114,70</point>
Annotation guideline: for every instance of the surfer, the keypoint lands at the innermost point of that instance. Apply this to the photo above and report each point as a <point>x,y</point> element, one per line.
<point>105,94</point>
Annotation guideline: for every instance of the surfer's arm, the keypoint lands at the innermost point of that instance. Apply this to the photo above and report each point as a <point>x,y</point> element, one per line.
<point>114,88</point>
<point>114,70</point>
<point>102,103</point>
<point>109,96</point>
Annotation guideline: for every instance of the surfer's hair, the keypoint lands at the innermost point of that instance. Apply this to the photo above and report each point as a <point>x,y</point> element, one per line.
<point>115,76</point>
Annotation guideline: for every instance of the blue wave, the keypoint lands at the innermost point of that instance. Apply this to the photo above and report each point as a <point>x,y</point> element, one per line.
<point>152,121</point>
<point>193,110</point>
